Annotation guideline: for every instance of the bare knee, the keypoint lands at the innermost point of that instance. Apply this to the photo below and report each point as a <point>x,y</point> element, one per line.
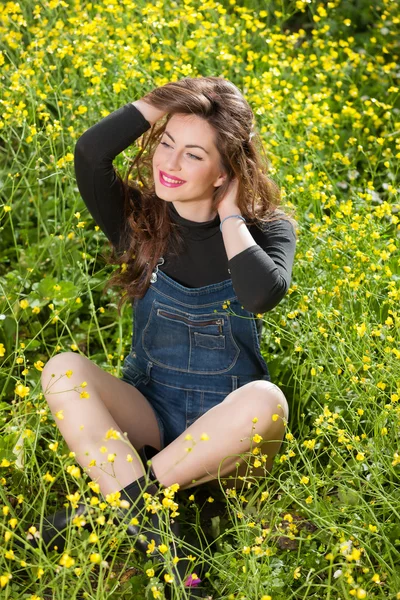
<point>278,399</point>
<point>261,400</point>
<point>60,368</point>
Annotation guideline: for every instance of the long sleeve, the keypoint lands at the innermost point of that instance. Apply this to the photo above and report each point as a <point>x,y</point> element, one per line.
<point>98,183</point>
<point>261,274</point>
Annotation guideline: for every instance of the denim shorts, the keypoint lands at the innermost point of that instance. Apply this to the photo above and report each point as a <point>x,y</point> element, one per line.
<point>175,407</point>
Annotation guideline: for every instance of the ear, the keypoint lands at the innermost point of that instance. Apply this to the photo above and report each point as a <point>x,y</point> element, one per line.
<point>221,179</point>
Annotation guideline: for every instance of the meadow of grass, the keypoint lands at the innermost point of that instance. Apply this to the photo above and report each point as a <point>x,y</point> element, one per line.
<point>323,80</point>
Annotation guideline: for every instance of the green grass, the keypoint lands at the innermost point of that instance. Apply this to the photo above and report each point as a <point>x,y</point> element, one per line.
<point>322,79</point>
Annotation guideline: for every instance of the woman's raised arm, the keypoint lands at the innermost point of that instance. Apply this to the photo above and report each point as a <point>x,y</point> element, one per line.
<point>150,112</point>
<point>98,183</point>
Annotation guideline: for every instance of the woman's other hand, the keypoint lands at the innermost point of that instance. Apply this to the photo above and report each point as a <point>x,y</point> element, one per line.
<point>228,205</point>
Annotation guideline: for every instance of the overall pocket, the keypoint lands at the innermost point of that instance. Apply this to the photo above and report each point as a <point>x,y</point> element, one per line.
<point>131,373</point>
<point>200,343</point>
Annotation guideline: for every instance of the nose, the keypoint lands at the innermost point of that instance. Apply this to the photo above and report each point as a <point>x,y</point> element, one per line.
<point>173,163</point>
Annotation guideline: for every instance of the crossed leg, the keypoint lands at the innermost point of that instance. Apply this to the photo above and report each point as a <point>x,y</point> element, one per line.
<point>114,404</point>
<point>230,429</point>
<point>85,421</point>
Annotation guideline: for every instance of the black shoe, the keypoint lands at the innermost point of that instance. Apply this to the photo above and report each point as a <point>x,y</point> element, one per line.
<point>143,525</point>
<point>184,571</point>
<point>52,532</point>
<point>147,526</point>
<point>53,529</point>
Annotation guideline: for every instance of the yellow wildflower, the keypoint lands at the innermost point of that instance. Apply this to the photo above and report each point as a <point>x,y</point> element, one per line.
<point>94,487</point>
<point>288,518</point>
<point>297,574</point>
<point>74,471</point>
<point>4,579</point>
<point>112,434</point>
<point>151,547</point>
<point>21,390</point>
<point>95,558</point>
<point>66,561</point>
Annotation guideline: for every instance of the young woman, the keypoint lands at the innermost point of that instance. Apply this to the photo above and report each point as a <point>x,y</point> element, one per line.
<point>203,250</point>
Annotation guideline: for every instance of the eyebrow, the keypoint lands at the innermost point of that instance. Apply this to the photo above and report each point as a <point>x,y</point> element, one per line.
<point>188,145</point>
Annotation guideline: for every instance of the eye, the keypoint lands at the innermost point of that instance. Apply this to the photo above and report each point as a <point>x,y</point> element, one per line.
<point>192,155</point>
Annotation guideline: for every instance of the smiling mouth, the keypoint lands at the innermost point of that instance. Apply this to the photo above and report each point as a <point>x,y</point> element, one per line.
<point>170,182</point>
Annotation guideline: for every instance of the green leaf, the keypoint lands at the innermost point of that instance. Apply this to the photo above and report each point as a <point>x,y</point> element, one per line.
<point>349,497</point>
<point>45,287</point>
<point>50,288</point>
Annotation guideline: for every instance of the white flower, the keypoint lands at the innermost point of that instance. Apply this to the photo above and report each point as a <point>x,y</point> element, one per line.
<point>345,547</point>
<point>337,573</point>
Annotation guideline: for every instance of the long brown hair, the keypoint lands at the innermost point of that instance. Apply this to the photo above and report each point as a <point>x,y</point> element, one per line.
<point>149,230</point>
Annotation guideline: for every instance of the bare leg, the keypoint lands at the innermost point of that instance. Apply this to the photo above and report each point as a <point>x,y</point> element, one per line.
<point>229,426</point>
<point>84,423</point>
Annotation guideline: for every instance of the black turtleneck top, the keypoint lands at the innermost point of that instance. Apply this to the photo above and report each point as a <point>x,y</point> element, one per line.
<point>260,274</point>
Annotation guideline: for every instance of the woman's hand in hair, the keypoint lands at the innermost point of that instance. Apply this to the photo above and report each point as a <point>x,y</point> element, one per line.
<point>229,204</point>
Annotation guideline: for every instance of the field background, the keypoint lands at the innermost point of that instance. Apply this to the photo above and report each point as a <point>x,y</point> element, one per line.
<point>323,79</point>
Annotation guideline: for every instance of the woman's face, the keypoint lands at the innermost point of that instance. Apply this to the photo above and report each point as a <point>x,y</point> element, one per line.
<point>197,165</point>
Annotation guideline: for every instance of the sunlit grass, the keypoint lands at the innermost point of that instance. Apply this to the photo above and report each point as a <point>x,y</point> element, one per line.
<point>324,88</point>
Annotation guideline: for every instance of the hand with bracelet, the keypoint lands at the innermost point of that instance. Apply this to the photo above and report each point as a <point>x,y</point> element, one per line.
<point>228,207</point>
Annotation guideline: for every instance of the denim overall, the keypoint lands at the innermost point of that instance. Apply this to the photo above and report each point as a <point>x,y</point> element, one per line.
<point>188,352</point>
